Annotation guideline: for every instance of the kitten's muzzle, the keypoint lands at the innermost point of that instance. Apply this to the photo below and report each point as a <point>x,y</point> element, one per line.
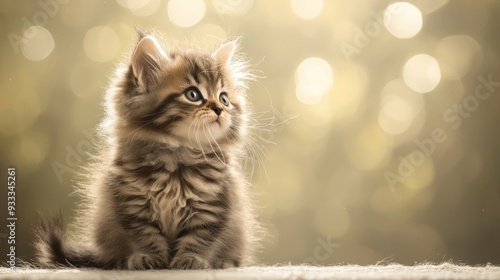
<point>217,109</point>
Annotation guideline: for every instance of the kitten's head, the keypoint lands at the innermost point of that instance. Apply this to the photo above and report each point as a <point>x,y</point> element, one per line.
<point>182,96</point>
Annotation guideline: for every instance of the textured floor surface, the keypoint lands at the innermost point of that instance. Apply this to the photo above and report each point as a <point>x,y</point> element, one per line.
<point>392,271</point>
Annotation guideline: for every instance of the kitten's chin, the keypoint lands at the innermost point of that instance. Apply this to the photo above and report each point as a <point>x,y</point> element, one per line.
<point>216,123</point>
<point>206,133</point>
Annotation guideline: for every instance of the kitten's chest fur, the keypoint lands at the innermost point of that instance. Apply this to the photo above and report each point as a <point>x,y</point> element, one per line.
<point>180,188</point>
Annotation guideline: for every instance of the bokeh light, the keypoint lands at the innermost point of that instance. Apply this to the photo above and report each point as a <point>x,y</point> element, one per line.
<point>313,79</point>
<point>232,7</point>
<point>186,13</point>
<point>395,115</point>
<point>307,9</point>
<point>399,109</point>
<point>422,73</point>
<point>458,55</point>
<point>101,43</point>
<point>346,92</point>
<point>403,20</point>
<point>133,4</point>
<point>37,43</point>
<point>370,148</point>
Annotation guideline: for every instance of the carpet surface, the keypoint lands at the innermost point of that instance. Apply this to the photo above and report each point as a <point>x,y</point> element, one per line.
<point>391,271</point>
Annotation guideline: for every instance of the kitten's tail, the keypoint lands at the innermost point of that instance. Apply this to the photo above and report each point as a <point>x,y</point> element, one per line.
<point>53,251</point>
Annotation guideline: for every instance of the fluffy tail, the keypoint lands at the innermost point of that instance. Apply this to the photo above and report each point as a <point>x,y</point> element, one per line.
<point>52,250</point>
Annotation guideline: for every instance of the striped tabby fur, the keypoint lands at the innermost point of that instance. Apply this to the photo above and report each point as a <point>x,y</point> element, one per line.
<point>167,190</point>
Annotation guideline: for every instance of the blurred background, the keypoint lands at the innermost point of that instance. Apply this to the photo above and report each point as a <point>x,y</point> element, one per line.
<point>379,118</point>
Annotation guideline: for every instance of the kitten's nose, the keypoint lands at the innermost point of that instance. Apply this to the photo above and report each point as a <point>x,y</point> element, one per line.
<point>217,109</point>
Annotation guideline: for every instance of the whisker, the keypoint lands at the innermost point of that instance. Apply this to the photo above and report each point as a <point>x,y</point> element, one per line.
<point>205,129</point>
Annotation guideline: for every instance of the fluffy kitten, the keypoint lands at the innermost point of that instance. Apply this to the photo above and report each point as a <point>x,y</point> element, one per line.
<point>168,189</point>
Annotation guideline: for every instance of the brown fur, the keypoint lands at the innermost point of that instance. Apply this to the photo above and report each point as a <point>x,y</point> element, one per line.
<point>167,189</point>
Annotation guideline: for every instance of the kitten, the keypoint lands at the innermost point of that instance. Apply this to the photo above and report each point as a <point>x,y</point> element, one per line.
<point>167,190</point>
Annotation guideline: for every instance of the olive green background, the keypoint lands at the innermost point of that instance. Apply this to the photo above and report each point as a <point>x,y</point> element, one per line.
<point>321,187</point>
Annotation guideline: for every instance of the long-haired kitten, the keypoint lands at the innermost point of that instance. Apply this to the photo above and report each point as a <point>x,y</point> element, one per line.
<point>167,189</point>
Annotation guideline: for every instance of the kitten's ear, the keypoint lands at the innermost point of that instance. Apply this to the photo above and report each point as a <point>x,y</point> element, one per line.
<point>147,62</point>
<point>224,53</point>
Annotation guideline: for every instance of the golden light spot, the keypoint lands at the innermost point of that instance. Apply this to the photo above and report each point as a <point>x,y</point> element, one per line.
<point>307,9</point>
<point>395,115</point>
<point>133,4</point>
<point>422,73</point>
<point>186,13</point>
<point>369,149</point>
<point>458,55</point>
<point>398,88</point>
<point>37,43</point>
<point>313,79</point>
<point>351,83</point>
<point>399,106</point>
<point>403,20</point>
<point>233,7</point>
<point>101,43</point>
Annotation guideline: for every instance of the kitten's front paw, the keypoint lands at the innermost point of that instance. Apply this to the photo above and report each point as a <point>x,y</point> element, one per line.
<point>223,264</point>
<point>189,261</point>
<point>141,261</point>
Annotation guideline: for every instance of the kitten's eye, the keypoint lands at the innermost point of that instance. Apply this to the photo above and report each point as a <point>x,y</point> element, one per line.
<point>193,94</point>
<point>224,99</point>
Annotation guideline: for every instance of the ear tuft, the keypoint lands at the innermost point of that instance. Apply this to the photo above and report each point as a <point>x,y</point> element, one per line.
<point>224,53</point>
<point>141,32</point>
<point>147,61</point>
